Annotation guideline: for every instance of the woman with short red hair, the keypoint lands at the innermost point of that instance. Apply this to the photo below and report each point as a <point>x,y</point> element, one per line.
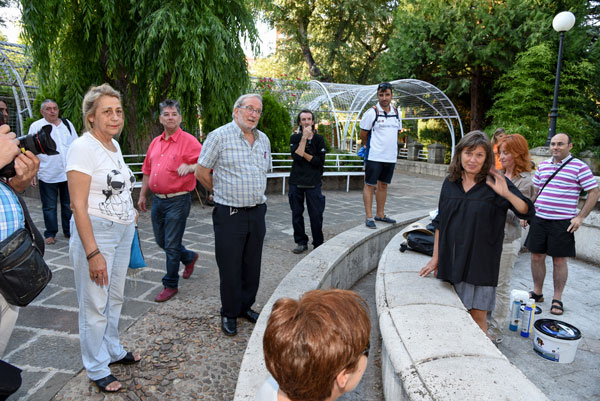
<point>516,164</point>
<point>315,348</point>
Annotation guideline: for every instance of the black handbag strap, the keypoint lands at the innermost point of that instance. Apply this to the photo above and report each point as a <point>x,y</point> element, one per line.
<point>552,176</point>
<point>37,238</point>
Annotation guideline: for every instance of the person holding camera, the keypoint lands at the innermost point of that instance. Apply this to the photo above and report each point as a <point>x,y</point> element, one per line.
<point>103,224</point>
<point>308,155</point>
<point>11,213</point>
<point>52,174</point>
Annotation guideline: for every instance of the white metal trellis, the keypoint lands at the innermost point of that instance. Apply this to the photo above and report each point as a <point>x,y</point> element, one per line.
<point>346,103</point>
<point>17,85</point>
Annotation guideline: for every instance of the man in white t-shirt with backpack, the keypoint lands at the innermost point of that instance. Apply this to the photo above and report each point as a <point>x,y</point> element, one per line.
<point>379,135</point>
<point>52,174</point>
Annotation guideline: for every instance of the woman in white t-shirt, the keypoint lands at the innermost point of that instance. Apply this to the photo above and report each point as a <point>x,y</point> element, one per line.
<point>102,228</point>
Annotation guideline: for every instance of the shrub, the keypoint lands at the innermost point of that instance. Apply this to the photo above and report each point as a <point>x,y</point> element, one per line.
<point>275,122</point>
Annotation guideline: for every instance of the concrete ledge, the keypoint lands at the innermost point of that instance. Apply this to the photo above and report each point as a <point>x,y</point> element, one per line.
<point>421,167</point>
<point>338,263</point>
<point>587,239</point>
<point>432,349</point>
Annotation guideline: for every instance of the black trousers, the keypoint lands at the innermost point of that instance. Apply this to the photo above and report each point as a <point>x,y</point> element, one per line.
<point>239,236</point>
<point>315,203</point>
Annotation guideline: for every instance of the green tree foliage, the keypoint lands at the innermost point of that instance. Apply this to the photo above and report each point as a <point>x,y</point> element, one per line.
<point>463,46</point>
<point>526,93</point>
<point>339,41</point>
<point>187,50</point>
<point>275,122</point>
<point>277,66</point>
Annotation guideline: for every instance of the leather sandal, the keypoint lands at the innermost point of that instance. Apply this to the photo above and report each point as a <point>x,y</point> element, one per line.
<point>105,381</point>
<point>558,306</point>
<point>128,359</point>
<point>537,298</point>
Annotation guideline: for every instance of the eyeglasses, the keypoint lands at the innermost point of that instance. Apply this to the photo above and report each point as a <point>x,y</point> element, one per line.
<point>384,86</point>
<point>251,110</point>
<point>367,349</point>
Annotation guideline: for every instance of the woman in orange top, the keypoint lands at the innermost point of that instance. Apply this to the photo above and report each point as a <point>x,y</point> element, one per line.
<point>498,134</point>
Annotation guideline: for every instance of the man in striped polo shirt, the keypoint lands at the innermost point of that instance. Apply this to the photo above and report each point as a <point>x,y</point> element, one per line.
<point>556,218</point>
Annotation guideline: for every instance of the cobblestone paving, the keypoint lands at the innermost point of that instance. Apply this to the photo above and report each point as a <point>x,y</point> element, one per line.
<point>185,355</point>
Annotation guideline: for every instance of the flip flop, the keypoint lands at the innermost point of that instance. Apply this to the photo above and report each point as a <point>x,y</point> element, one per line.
<point>105,381</point>
<point>128,359</point>
<point>557,305</point>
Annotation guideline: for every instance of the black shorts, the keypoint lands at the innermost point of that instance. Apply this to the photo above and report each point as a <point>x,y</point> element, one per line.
<point>550,237</point>
<point>378,171</point>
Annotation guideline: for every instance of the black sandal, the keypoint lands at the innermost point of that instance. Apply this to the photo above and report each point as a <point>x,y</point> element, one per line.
<point>128,359</point>
<point>105,381</point>
<point>537,298</point>
<point>558,305</point>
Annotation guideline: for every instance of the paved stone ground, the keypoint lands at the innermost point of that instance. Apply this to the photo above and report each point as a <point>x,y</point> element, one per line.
<point>185,355</point>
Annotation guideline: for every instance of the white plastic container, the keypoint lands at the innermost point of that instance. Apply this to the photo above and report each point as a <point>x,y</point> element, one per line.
<point>555,340</point>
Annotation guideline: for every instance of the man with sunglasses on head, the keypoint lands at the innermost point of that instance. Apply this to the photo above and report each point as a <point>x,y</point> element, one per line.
<point>240,156</point>
<point>379,135</point>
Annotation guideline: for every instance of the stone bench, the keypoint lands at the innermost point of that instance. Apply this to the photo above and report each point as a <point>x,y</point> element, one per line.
<point>431,348</point>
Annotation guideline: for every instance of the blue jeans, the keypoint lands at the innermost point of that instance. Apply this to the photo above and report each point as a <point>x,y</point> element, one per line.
<point>315,203</point>
<point>49,193</point>
<point>100,307</point>
<point>168,222</point>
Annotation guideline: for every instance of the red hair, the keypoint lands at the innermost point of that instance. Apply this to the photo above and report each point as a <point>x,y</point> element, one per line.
<point>517,146</point>
<point>309,341</point>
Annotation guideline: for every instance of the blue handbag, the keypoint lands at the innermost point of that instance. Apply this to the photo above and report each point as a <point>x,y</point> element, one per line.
<point>136,260</point>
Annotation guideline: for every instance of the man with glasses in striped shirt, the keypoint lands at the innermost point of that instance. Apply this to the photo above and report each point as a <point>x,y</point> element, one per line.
<point>240,156</point>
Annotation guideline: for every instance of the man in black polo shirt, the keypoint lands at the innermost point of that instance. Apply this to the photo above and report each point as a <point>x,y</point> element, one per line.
<point>308,153</point>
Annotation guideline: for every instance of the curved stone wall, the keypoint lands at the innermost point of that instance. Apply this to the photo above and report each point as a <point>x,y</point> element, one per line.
<point>431,347</point>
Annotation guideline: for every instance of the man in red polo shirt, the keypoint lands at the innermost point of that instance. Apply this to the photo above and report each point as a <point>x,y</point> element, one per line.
<point>169,173</point>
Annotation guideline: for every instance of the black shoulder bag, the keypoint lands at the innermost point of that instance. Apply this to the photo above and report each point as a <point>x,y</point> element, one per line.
<point>23,271</point>
<point>551,177</point>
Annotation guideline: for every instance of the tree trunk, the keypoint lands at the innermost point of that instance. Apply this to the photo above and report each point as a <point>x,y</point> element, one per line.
<point>477,112</point>
<point>313,69</point>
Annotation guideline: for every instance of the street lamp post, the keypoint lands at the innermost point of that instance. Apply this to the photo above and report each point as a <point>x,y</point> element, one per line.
<point>561,23</point>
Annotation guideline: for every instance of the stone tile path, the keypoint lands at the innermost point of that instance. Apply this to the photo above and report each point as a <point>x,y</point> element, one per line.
<point>185,355</point>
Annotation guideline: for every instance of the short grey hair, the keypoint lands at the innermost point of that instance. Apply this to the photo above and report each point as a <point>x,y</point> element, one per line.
<point>90,101</point>
<point>240,101</point>
<point>169,103</point>
<point>45,102</point>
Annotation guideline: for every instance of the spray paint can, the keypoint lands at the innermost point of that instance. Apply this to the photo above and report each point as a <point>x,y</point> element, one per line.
<point>527,318</point>
<point>515,314</point>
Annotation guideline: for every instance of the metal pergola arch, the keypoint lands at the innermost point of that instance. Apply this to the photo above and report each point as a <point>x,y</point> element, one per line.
<point>346,103</point>
<point>17,85</point>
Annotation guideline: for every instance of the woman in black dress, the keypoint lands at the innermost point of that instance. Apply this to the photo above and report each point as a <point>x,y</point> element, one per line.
<point>470,225</point>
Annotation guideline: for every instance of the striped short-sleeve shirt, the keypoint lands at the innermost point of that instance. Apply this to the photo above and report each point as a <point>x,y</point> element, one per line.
<point>239,170</point>
<point>558,200</point>
<point>11,212</point>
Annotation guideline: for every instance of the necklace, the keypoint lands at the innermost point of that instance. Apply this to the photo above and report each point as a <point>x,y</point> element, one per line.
<point>117,163</point>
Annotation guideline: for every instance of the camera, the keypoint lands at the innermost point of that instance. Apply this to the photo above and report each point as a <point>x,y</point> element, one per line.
<point>39,143</point>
